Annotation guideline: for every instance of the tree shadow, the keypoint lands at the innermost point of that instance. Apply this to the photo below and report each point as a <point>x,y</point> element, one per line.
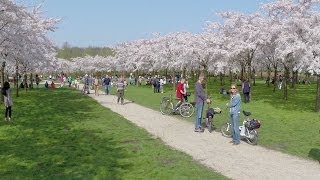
<point>300,99</point>
<point>314,153</point>
<point>51,140</point>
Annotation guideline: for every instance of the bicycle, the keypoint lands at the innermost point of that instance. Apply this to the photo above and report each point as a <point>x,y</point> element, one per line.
<point>247,130</point>
<point>186,109</point>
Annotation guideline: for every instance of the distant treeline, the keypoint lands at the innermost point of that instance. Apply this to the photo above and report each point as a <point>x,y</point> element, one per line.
<point>69,52</point>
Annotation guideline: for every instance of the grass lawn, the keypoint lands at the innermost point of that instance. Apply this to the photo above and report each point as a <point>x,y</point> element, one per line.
<point>289,126</point>
<point>62,134</point>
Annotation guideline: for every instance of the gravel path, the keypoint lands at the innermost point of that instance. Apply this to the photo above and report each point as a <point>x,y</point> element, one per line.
<point>212,149</point>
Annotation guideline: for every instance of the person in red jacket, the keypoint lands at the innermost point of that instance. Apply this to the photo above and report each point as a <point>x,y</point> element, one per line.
<point>52,85</point>
<point>180,93</point>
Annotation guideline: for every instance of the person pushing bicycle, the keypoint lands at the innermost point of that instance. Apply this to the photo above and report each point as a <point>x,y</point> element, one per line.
<point>200,98</point>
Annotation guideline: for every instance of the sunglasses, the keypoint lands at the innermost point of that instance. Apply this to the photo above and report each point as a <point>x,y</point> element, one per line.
<point>233,88</point>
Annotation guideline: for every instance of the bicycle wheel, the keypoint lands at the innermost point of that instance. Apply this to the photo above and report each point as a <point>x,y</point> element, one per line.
<point>166,106</point>
<point>252,137</point>
<point>225,130</point>
<point>186,110</point>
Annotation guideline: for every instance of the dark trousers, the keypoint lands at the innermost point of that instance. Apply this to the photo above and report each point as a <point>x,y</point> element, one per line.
<point>154,88</point>
<point>246,97</point>
<point>8,111</point>
<point>185,98</point>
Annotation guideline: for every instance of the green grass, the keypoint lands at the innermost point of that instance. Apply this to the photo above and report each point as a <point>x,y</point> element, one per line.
<point>288,126</point>
<point>62,134</point>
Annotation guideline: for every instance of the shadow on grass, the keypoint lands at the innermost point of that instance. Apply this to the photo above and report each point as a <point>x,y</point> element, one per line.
<point>301,99</point>
<point>314,153</point>
<point>50,139</point>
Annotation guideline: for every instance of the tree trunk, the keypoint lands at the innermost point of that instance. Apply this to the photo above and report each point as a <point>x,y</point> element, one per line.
<point>269,76</point>
<point>275,78</point>
<point>318,94</point>
<point>293,79</point>
<point>184,72</point>
<point>17,80</point>
<point>231,76</point>
<point>254,76</point>
<point>286,82</point>
<point>297,77</point>
<point>31,81</point>
<point>173,83</point>
<point>261,77</point>
<point>25,81</point>
<point>221,79</point>
<point>242,71</point>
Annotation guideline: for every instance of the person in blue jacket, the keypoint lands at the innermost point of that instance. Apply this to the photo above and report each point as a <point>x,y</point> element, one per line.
<point>235,106</point>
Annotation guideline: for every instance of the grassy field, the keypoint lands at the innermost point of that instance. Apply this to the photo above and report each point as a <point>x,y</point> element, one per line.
<point>289,126</point>
<point>62,134</point>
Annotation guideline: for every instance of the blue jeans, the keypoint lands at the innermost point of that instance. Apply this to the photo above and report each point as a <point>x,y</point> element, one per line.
<point>107,89</point>
<point>199,110</point>
<point>235,132</point>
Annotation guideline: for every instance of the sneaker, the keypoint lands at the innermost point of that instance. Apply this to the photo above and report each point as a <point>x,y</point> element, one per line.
<point>9,119</point>
<point>199,130</point>
<point>236,143</point>
<point>231,141</point>
<point>5,119</point>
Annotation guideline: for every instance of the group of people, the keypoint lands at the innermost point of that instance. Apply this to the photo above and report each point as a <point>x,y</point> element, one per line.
<point>106,82</point>
<point>234,105</point>
<point>158,83</point>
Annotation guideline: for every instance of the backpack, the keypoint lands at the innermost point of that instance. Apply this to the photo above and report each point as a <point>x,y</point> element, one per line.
<point>254,124</point>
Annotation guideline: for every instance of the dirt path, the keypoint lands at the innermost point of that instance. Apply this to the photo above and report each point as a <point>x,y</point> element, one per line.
<point>214,150</point>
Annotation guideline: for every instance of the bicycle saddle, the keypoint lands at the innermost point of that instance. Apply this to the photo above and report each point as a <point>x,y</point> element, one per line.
<point>246,113</point>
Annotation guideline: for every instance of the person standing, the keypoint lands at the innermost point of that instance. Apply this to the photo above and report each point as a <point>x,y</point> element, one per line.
<point>246,90</point>
<point>6,92</point>
<point>37,80</point>
<point>106,83</point>
<point>235,105</point>
<point>161,84</point>
<point>87,84</point>
<point>96,86</point>
<point>200,98</point>
<point>120,91</point>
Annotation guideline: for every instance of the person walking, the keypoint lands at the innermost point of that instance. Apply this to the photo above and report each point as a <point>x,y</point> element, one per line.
<point>235,106</point>
<point>200,98</point>
<point>106,83</point>
<point>96,86</point>
<point>246,90</point>
<point>120,91</point>
<point>6,92</point>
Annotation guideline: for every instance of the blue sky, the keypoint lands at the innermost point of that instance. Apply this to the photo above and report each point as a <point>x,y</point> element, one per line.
<point>107,22</point>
